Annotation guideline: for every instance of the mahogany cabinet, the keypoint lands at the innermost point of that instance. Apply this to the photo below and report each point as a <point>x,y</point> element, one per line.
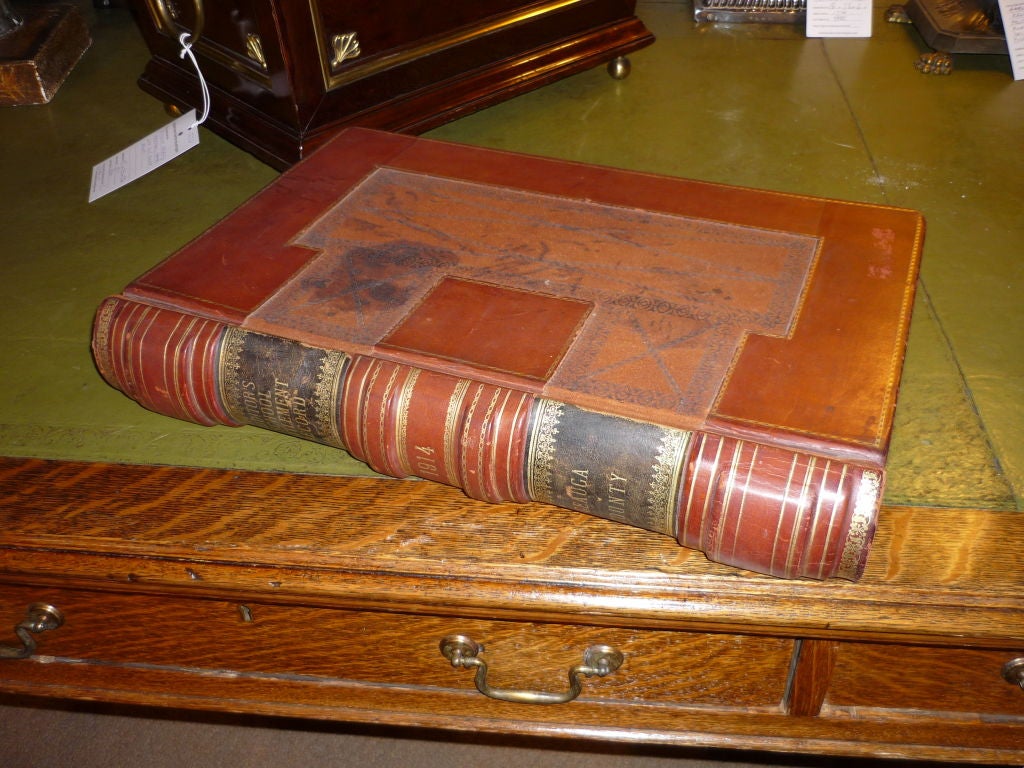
<point>284,74</point>
<point>337,598</point>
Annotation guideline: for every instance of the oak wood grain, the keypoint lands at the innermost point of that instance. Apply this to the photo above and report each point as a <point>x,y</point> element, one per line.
<point>961,680</point>
<point>349,585</point>
<point>402,649</point>
<point>812,674</point>
<point>905,736</point>
<point>937,575</point>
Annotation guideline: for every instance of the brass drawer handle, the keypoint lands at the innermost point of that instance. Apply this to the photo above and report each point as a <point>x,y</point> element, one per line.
<point>169,22</point>
<point>1013,671</point>
<point>38,618</point>
<point>599,660</point>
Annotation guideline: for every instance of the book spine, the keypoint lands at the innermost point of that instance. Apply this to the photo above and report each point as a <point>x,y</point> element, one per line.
<point>759,507</point>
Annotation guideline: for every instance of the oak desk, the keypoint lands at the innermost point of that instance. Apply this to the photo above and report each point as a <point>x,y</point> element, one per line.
<point>329,598</point>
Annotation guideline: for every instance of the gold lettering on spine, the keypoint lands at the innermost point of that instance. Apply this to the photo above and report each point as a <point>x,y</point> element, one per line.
<point>276,397</point>
<point>618,490</point>
<point>667,473</point>
<point>541,452</point>
<point>860,524</point>
<point>579,490</point>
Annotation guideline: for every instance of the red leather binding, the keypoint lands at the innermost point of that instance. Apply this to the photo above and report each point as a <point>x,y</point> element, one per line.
<point>759,335</point>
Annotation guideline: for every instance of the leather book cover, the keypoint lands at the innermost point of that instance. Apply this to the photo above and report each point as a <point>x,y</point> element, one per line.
<point>744,317</point>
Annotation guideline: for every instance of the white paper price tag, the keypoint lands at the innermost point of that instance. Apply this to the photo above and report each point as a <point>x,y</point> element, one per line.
<point>145,155</point>
<point>1012,12</point>
<point>839,18</point>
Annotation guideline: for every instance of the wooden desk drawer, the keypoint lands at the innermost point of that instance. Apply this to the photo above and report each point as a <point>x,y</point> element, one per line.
<point>948,680</point>
<point>109,638</point>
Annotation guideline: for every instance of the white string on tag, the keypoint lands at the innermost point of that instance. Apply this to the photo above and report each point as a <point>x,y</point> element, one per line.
<point>159,147</point>
<point>186,50</point>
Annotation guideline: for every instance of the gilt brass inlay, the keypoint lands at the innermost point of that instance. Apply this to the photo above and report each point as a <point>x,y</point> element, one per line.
<point>375,64</point>
<point>344,47</point>
<point>254,47</point>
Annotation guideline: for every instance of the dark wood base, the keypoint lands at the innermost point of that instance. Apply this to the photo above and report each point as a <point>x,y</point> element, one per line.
<point>285,108</point>
<point>37,56</point>
<point>963,26</point>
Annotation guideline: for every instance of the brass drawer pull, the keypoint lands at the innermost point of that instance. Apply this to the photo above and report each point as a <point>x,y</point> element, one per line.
<point>599,660</point>
<point>38,618</point>
<point>1013,671</point>
<point>168,18</point>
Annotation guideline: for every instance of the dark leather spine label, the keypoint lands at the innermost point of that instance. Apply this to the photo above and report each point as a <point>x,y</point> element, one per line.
<point>282,385</point>
<point>608,466</point>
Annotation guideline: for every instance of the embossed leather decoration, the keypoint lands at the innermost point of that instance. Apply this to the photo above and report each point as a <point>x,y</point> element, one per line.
<point>715,363</point>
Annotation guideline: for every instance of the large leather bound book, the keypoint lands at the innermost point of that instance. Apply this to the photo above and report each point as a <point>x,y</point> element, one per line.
<point>715,363</point>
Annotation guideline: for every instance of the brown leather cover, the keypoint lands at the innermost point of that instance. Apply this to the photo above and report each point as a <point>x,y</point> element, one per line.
<point>824,379</point>
<point>761,322</point>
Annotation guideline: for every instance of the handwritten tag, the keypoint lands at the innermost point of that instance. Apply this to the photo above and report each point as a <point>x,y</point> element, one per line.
<point>839,18</point>
<point>145,155</point>
<point>1012,12</point>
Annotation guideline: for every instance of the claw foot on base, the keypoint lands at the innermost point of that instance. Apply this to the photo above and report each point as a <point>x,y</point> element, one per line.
<point>897,14</point>
<point>937,63</point>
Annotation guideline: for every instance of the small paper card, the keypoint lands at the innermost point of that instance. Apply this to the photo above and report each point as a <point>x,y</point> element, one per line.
<point>145,155</point>
<point>1012,12</point>
<point>839,18</point>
